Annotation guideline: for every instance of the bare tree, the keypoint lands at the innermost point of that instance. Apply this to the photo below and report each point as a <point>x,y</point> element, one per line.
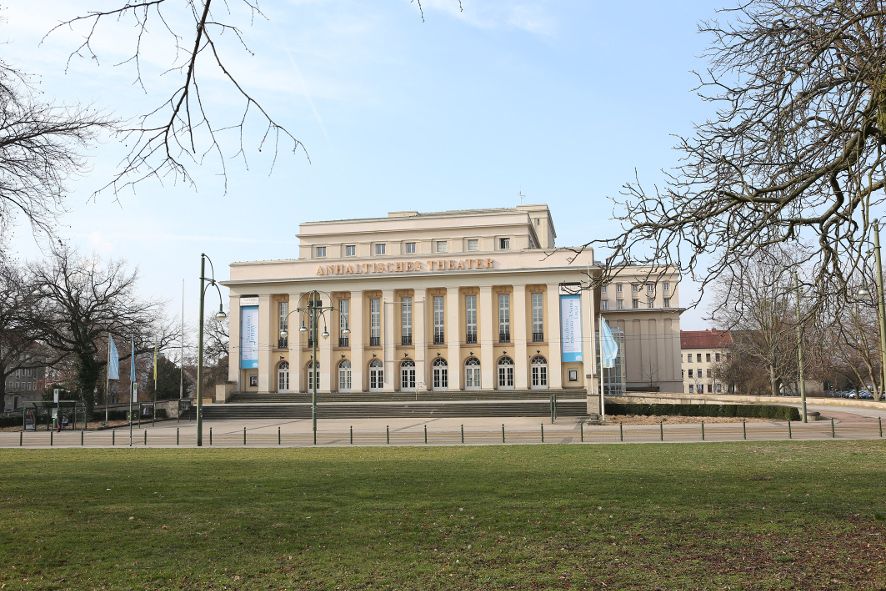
<point>85,300</point>
<point>21,314</point>
<point>40,145</point>
<point>182,131</point>
<point>794,153</point>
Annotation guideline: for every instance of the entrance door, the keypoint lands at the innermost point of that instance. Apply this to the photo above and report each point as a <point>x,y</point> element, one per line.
<point>376,375</point>
<point>440,374</point>
<point>506,373</point>
<point>472,374</point>
<point>407,375</point>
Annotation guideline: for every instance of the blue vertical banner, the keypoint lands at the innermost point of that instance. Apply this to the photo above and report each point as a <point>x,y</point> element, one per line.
<point>248,337</point>
<point>570,327</point>
<point>113,359</point>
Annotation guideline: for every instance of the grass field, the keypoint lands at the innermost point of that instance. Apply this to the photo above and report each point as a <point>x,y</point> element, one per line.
<point>715,516</point>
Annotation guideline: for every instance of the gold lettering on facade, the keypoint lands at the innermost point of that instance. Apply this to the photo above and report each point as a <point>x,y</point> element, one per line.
<point>405,266</point>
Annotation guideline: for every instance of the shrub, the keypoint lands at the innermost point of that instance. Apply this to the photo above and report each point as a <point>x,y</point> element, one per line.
<point>762,411</point>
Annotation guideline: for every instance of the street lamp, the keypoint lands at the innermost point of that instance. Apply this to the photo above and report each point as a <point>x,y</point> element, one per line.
<point>316,310</point>
<point>205,282</point>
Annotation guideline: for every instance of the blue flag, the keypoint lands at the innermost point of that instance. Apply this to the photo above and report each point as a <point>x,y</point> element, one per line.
<point>609,347</point>
<point>132,368</point>
<point>113,359</point>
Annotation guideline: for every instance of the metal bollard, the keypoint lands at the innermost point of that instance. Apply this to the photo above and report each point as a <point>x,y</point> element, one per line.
<point>702,430</point>
<point>661,430</point>
<point>790,435</point>
<point>244,435</point>
<point>81,438</point>
<point>51,438</point>
<point>462,433</point>
<point>146,437</point>
<point>426,433</point>
<point>833,432</point>
<point>278,435</point>
<point>351,429</point>
<point>210,436</point>
<point>542,425</point>
<point>21,438</point>
<point>621,432</point>
<point>176,436</point>
<point>744,429</point>
<point>113,437</point>
<point>388,434</point>
<point>502,432</point>
<point>581,430</point>
<point>880,421</point>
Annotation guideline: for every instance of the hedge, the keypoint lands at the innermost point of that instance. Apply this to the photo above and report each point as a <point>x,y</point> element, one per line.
<point>762,411</point>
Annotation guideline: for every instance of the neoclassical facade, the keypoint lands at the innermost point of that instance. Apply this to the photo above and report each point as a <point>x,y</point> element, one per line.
<point>453,300</point>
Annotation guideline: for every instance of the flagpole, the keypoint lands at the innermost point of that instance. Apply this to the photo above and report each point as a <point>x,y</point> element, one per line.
<point>181,374</point>
<point>154,398</point>
<point>131,383</point>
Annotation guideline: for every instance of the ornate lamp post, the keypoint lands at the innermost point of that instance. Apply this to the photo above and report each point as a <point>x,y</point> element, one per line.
<point>205,282</point>
<point>315,310</point>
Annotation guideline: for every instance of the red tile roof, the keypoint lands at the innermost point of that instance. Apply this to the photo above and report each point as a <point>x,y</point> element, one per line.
<point>705,339</point>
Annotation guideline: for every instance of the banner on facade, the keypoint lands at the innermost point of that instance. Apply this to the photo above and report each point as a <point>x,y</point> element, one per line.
<point>248,337</point>
<point>570,327</point>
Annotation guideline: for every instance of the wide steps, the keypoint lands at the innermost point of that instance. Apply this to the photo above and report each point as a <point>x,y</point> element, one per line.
<point>382,410</point>
<point>247,398</point>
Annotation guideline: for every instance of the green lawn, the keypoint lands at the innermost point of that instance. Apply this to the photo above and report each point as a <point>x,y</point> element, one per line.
<point>787,515</point>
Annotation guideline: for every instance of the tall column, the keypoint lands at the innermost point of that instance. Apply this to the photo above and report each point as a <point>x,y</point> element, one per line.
<point>453,338</point>
<point>234,342</point>
<point>555,373</point>
<point>265,336</point>
<point>387,335</point>
<point>294,341</point>
<point>324,351</point>
<point>589,343</point>
<point>358,367</point>
<point>487,336</point>
<point>521,361</point>
<point>418,338</point>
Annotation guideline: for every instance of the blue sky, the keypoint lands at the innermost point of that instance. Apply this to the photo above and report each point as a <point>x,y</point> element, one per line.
<point>561,100</point>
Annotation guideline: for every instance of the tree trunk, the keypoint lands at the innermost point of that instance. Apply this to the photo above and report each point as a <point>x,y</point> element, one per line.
<point>87,377</point>
<point>773,381</point>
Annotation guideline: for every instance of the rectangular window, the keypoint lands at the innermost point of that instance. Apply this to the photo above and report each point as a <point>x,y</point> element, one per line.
<point>707,357</point>
<point>636,287</point>
<point>710,388</point>
<point>378,248</point>
<point>650,289</point>
<point>650,303</point>
<point>618,288</point>
<point>473,244</point>
<point>350,250</point>
<point>718,388</point>
<point>689,357</point>
<point>635,303</point>
<point>691,388</point>
<point>698,357</point>
<point>619,304</point>
<point>604,304</point>
<point>406,320</point>
<point>409,248</point>
<point>470,319</point>
<point>538,329</point>
<point>717,357</point>
<point>666,286</point>
<point>438,320</point>
<point>504,243</point>
<point>344,313</point>
<point>667,302</point>
<point>319,252</point>
<point>441,246</point>
<point>709,373</point>
<point>283,323</point>
<point>690,373</point>
<point>603,290</point>
<point>504,318</point>
<point>374,322</point>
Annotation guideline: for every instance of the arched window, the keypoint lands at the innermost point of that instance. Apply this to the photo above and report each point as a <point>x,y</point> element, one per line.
<point>440,374</point>
<point>344,376</point>
<point>407,374</point>
<point>472,373</point>
<point>313,375</point>
<point>376,375</point>
<point>506,373</point>
<point>538,369</point>
<point>283,377</point>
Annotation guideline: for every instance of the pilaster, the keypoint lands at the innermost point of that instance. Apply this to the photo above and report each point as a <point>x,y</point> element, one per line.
<point>487,336</point>
<point>453,330</point>
<point>387,335</point>
<point>521,361</point>
<point>358,366</point>
<point>555,376</point>
<point>265,336</point>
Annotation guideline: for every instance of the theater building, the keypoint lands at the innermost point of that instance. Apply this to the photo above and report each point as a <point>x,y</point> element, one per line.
<point>450,301</point>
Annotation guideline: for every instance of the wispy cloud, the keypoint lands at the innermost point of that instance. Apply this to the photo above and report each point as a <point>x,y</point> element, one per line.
<point>525,17</point>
